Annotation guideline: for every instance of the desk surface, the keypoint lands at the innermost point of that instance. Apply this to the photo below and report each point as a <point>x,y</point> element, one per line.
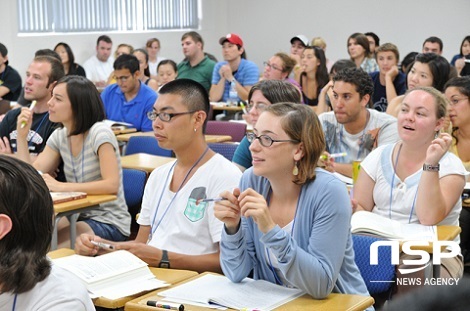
<point>306,302</point>
<point>209,138</point>
<point>144,161</point>
<point>90,200</point>
<point>118,131</point>
<point>171,276</point>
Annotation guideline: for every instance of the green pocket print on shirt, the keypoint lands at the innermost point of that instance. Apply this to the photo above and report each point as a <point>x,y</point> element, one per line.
<point>193,211</point>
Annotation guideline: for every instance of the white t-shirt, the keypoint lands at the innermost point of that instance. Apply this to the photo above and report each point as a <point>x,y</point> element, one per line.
<point>153,66</point>
<point>378,165</point>
<point>381,129</point>
<point>186,227</point>
<point>61,290</point>
<point>97,70</point>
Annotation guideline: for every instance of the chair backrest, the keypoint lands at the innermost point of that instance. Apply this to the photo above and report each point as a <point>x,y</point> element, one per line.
<point>145,144</point>
<point>134,183</point>
<point>235,129</point>
<point>384,271</point>
<point>225,149</point>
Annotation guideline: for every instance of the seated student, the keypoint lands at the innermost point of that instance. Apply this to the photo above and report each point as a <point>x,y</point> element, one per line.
<point>389,82</point>
<point>68,60</point>
<point>457,91</point>
<point>459,60</point>
<point>416,180</point>
<point>167,71</point>
<point>279,67</point>
<point>263,94</point>
<point>314,75</point>
<point>360,53</point>
<point>351,127</point>
<point>129,100</point>
<point>297,46</point>
<point>289,222</point>
<point>235,68</point>
<point>10,79</point>
<point>91,158</point>
<point>41,76</point>
<point>176,229</point>
<point>144,73</point>
<point>428,69</point>
<point>28,280</point>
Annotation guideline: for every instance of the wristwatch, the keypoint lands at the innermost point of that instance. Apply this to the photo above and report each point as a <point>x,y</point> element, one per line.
<point>165,262</point>
<point>430,167</point>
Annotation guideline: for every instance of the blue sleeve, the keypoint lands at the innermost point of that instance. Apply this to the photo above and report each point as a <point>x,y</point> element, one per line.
<point>316,269</point>
<point>237,251</point>
<point>146,123</point>
<point>242,155</point>
<point>215,73</point>
<point>250,74</point>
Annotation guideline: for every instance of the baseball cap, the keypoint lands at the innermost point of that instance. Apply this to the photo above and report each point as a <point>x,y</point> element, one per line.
<point>4,51</point>
<point>301,38</point>
<point>232,38</point>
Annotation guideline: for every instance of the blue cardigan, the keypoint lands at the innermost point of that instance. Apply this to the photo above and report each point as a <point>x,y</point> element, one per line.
<point>319,259</point>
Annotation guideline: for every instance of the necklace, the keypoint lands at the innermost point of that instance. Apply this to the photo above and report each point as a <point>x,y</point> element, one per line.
<point>154,228</point>
<point>81,159</point>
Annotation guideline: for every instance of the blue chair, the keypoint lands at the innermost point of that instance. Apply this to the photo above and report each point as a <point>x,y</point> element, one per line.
<point>146,144</point>
<point>225,149</point>
<point>384,271</point>
<point>134,183</point>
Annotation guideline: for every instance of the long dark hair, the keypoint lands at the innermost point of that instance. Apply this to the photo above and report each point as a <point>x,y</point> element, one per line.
<point>463,86</point>
<point>72,65</point>
<point>321,75</point>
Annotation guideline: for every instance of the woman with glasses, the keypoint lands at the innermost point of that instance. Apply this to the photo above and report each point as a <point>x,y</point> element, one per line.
<point>263,94</point>
<point>90,153</point>
<point>279,67</point>
<point>457,91</point>
<point>314,75</point>
<point>289,221</point>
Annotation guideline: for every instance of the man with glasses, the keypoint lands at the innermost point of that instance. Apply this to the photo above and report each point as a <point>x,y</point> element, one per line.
<point>129,99</point>
<point>178,228</point>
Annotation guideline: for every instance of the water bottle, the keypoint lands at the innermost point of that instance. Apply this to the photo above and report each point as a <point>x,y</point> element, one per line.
<point>232,94</point>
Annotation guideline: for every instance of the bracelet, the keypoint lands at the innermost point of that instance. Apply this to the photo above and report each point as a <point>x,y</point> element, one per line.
<point>431,168</point>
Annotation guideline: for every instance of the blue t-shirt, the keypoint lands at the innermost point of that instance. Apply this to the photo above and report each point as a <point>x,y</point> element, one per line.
<point>246,74</point>
<point>242,155</point>
<point>379,98</point>
<point>135,111</point>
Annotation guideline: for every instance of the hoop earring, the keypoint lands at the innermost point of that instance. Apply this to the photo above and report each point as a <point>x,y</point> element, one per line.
<point>295,170</point>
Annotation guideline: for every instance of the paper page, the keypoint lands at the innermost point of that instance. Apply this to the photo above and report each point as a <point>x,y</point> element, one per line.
<point>419,232</point>
<point>112,123</point>
<point>94,269</point>
<point>249,294</point>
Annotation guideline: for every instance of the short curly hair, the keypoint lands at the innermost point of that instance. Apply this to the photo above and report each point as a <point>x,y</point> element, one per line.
<point>359,78</point>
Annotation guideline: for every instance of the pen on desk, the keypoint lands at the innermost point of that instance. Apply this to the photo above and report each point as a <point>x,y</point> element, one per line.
<point>23,124</point>
<point>165,305</point>
<point>333,155</point>
<point>103,245</point>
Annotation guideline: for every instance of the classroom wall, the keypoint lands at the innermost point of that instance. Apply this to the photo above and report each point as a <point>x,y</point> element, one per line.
<point>266,27</point>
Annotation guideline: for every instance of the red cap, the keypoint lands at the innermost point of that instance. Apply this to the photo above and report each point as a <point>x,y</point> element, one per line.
<point>232,38</point>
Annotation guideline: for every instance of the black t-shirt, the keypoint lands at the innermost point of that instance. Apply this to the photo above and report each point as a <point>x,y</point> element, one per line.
<point>11,79</point>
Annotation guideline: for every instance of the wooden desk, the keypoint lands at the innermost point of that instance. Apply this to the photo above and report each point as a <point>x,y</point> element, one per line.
<point>143,161</point>
<point>72,210</point>
<point>306,302</point>
<point>209,138</point>
<point>118,131</point>
<point>170,276</point>
<point>225,107</point>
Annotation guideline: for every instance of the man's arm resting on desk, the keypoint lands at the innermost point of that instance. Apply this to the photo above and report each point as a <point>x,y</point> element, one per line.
<point>150,254</point>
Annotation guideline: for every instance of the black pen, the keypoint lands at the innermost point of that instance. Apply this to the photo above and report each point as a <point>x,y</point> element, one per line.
<point>165,305</point>
<point>210,200</point>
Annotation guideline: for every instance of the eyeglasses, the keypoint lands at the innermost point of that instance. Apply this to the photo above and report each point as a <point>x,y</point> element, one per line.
<point>165,116</point>
<point>455,101</point>
<point>258,106</point>
<point>267,141</point>
<point>266,64</point>
<point>122,78</point>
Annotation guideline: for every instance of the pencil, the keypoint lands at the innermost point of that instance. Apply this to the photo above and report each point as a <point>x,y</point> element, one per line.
<point>23,124</point>
<point>210,200</point>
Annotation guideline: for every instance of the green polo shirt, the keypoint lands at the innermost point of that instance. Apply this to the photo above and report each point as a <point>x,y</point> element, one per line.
<point>201,73</point>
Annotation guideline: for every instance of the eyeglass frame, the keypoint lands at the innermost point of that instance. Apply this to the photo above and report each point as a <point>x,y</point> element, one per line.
<point>256,106</point>
<point>271,66</point>
<point>252,136</point>
<point>153,115</point>
<point>454,102</point>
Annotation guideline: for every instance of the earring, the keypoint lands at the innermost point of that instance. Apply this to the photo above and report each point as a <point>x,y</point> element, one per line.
<point>195,130</point>
<point>436,135</point>
<point>295,170</point>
